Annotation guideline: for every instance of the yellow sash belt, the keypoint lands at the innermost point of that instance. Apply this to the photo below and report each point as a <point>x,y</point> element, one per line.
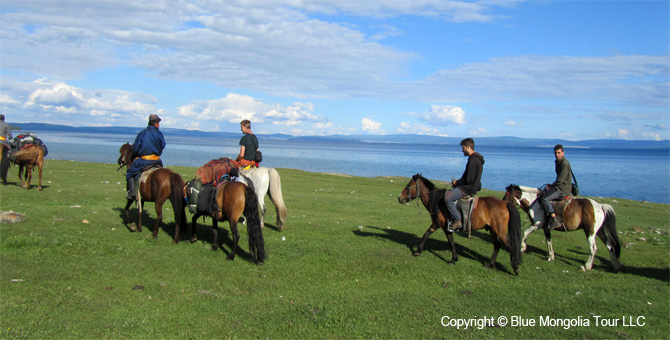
<point>3,138</point>
<point>151,157</point>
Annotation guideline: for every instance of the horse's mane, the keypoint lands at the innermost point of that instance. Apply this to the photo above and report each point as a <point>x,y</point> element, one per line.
<point>425,181</point>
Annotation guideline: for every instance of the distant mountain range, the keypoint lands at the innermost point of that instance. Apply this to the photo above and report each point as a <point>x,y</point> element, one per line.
<point>395,138</point>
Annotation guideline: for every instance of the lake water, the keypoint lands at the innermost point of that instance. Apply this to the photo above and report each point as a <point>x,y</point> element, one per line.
<point>636,174</point>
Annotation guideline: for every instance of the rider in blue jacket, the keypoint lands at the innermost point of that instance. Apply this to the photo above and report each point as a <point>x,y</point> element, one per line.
<point>148,147</point>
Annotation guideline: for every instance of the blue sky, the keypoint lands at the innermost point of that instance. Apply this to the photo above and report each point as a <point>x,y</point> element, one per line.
<point>573,70</point>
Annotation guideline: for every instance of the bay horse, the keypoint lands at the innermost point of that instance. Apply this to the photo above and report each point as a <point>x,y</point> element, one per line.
<point>580,213</point>
<point>161,184</point>
<point>30,156</point>
<point>500,218</point>
<point>234,199</point>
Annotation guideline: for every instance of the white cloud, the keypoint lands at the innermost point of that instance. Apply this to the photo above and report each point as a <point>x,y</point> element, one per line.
<point>442,115</point>
<point>369,125</point>
<point>232,108</point>
<point>477,131</point>
<point>510,123</point>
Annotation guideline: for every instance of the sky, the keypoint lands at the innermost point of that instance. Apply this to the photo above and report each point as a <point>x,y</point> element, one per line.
<point>572,70</point>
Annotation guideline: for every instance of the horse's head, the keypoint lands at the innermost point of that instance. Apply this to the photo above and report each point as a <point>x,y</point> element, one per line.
<point>512,194</point>
<point>126,157</point>
<point>413,189</point>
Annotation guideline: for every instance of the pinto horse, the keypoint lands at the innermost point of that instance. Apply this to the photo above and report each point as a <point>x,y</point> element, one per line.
<point>234,199</point>
<point>580,213</point>
<point>501,219</point>
<point>161,184</point>
<point>30,156</point>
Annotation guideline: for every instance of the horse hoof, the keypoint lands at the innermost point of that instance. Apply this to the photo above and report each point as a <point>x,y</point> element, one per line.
<point>215,248</point>
<point>39,189</point>
<point>194,240</point>
<point>228,258</point>
<point>133,227</point>
<point>452,262</point>
<point>416,253</point>
<point>260,263</point>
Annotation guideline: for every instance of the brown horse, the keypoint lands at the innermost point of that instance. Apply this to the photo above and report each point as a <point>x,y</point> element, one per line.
<point>579,213</point>
<point>30,156</point>
<point>501,219</point>
<point>234,199</point>
<point>161,184</point>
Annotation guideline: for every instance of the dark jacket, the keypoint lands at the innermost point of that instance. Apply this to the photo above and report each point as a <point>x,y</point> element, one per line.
<point>563,177</point>
<point>471,181</point>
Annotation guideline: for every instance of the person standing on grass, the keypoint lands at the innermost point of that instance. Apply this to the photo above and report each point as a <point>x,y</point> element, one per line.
<point>147,148</point>
<point>561,186</point>
<point>248,146</point>
<point>469,183</point>
<point>5,136</point>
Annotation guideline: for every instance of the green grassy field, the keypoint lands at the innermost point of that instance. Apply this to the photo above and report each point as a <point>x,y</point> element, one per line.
<point>342,268</point>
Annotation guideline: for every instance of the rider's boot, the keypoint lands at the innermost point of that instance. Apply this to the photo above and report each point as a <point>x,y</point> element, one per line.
<point>130,186</point>
<point>553,222</point>
<point>455,225</point>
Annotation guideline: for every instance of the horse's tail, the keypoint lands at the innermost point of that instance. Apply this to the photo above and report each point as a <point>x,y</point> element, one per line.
<point>276,197</point>
<point>609,225</point>
<point>254,232</point>
<point>514,236</point>
<point>177,199</point>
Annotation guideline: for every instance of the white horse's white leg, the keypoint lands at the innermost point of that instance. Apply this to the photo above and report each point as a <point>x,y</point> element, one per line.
<point>550,249</point>
<point>592,248</point>
<point>527,232</point>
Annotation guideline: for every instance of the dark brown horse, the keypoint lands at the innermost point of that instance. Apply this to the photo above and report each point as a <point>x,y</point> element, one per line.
<point>30,156</point>
<point>500,218</point>
<point>594,218</point>
<point>161,184</point>
<point>234,199</point>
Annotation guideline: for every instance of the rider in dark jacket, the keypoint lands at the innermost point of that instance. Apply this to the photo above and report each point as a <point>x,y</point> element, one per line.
<point>561,186</point>
<point>147,148</point>
<point>469,184</point>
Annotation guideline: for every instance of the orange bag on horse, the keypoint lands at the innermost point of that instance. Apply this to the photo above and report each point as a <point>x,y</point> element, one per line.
<point>214,169</point>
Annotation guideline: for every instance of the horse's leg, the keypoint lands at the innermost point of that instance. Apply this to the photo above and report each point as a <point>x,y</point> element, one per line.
<point>21,176</point>
<point>40,163</point>
<point>527,232</point>
<point>496,248</point>
<point>592,248</point>
<point>550,245</point>
<point>29,175</point>
<point>236,238</point>
<point>131,224</point>
<point>261,201</point>
<point>215,231</point>
<point>450,238</point>
<point>423,241</point>
<point>610,247</point>
<point>159,218</point>
<point>194,236</point>
<point>139,214</point>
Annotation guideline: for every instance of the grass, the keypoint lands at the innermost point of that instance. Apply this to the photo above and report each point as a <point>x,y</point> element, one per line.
<point>342,268</point>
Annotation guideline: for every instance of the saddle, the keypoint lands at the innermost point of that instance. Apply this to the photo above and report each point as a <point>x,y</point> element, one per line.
<point>146,171</point>
<point>560,205</point>
<point>466,205</point>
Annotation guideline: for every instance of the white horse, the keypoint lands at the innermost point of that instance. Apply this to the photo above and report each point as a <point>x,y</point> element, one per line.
<point>580,213</point>
<point>267,181</point>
